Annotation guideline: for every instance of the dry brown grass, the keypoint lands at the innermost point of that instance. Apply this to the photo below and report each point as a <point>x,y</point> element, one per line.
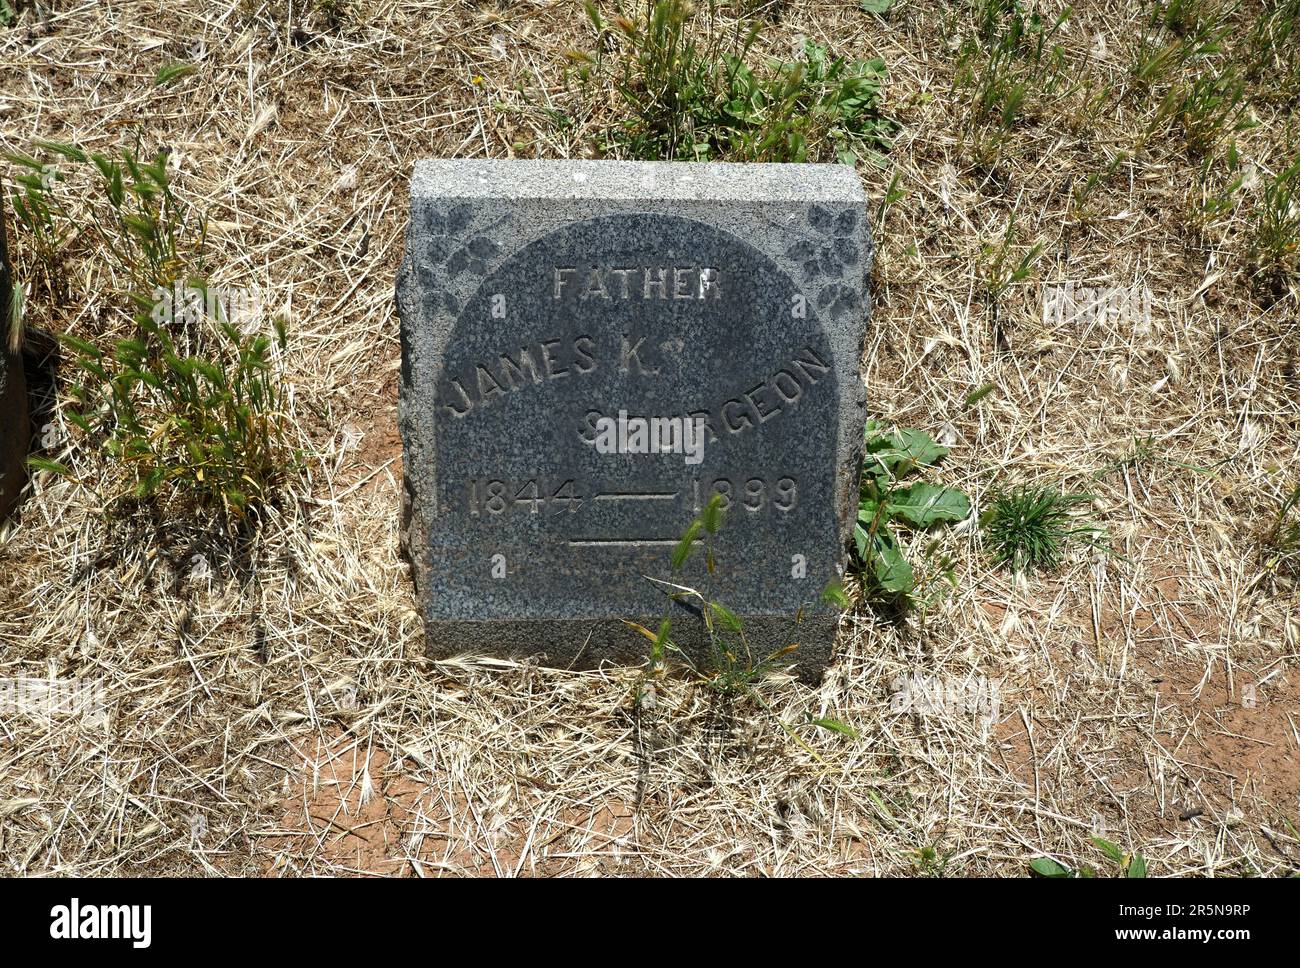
<point>277,715</point>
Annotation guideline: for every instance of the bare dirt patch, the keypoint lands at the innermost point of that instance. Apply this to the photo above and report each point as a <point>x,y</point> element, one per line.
<point>356,811</point>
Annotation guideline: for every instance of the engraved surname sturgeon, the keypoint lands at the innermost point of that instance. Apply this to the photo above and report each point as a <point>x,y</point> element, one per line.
<point>776,393</point>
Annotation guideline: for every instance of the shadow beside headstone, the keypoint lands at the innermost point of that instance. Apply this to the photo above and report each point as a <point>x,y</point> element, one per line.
<point>15,424</point>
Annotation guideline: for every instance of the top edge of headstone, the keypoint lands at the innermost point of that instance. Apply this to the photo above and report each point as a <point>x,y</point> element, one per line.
<point>659,180</point>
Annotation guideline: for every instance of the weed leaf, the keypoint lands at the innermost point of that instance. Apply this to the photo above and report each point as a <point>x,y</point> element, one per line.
<point>1046,867</point>
<point>835,726</point>
<point>921,504</point>
<point>1109,849</point>
<point>892,572</point>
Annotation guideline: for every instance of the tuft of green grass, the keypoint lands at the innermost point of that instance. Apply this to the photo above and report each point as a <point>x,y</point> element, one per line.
<point>1032,527</point>
<point>1001,269</point>
<point>1011,58</point>
<point>1273,51</point>
<point>1216,198</point>
<point>1280,547</point>
<point>1179,35</point>
<point>1275,229</point>
<point>1082,192</point>
<point>203,426</point>
<point>40,219</point>
<point>135,219</point>
<point>694,91</point>
<point>187,407</point>
<point>1204,95</point>
<point>1190,17</point>
<point>1210,108</point>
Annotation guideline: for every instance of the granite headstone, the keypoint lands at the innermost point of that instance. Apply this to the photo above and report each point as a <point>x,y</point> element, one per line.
<point>590,350</point>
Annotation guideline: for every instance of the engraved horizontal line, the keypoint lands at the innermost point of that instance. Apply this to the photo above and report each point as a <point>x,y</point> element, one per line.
<point>637,496</point>
<point>616,542</point>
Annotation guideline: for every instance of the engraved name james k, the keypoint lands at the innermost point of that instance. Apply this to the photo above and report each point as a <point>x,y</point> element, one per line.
<point>550,360</point>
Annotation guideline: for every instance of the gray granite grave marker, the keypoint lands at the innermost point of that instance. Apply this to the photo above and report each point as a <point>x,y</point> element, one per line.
<point>589,351</point>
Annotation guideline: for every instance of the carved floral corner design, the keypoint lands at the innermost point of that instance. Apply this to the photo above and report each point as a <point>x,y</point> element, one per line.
<point>825,254</point>
<point>838,300</point>
<point>454,250</point>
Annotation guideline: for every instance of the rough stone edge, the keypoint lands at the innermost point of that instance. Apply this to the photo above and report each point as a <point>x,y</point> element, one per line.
<point>482,179</point>
<point>590,643</point>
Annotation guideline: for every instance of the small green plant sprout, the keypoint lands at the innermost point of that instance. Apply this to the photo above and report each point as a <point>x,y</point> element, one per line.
<point>1216,199</point>
<point>929,863</point>
<point>1280,547</point>
<point>1145,451</point>
<point>1002,268</point>
<point>1031,527</point>
<point>1083,191</point>
<point>730,669</point>
<point>731,666</point>
<point>892,493</point>
<point>1140,452</point>
<point>1130,865</point>
<point>644,694</point>
<point>707,524</point>
<point>893,193</point>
